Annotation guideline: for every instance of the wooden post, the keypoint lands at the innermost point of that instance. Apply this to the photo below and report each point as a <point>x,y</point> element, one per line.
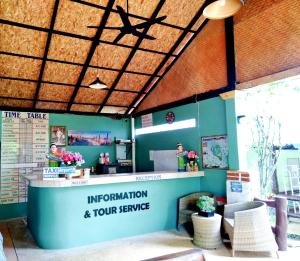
<point>281,223</point>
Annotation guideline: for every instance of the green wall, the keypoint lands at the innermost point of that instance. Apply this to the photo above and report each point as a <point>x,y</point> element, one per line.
<point>210,116</point>
<point>118,128</point>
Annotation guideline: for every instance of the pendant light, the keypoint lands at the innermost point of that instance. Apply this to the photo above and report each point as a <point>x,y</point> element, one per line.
<point>97,84</point>
<point>222,9</point>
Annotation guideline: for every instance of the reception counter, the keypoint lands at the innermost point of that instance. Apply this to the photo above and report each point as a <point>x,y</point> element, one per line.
<point>69,213</point>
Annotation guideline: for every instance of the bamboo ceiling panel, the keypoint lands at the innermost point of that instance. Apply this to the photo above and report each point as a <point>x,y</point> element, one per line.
<point>138,7</point>
<point>88,95</point>
<point>199,22</point>
<point>113,110</point>
<point>132,82</point>
<point>18,89</point>
<point>34,12</point>
<point>53,92</point>
<point>151,84</point>
<point>84,108</point>
<point>110,56</point>
<point>62,73</point>
<point>180,12</point>
<point>15,103</point>
<point>22,41</point>
<point>165,38</point>
<point>69,49</point>
<point>252,8</point>
<point>201,68</point>
<point>145,62</point>
<point>74,18</point>
<point>105,76</point>
<point>121,98</point>
<point>270,47</point>
<point>110,35</point>
<point>19,67</point>
<point>183,43</point>
<point>51,106</point>
<point>166,65</point>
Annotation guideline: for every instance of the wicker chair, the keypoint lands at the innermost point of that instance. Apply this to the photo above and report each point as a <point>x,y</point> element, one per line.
<point>187,206</point>
<point>248,227</point>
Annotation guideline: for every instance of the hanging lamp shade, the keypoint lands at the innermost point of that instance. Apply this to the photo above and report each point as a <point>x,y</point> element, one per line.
<point>222,9</point>
<point>97,84</point>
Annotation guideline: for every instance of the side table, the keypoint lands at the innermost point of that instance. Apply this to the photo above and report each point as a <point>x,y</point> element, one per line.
<point>207,231</point>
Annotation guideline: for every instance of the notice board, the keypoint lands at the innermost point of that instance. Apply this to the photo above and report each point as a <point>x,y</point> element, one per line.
<point>24,145</point>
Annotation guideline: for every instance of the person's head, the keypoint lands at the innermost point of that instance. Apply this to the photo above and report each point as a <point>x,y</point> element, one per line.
<point>179,147</point>
<point>53,147</point>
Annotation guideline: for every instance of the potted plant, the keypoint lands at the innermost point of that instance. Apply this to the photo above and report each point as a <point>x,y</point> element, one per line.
<point>206,206</point>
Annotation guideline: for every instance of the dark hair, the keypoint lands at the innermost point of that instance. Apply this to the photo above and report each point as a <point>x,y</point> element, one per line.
<point>52,145</point>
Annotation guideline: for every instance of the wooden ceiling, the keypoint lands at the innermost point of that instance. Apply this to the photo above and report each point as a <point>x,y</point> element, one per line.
<point>49,56</point>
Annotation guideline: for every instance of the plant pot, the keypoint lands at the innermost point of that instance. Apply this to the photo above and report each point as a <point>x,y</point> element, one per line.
<point>206,214</point>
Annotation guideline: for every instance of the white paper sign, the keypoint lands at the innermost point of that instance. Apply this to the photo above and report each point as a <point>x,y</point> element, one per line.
<point>147,120</point>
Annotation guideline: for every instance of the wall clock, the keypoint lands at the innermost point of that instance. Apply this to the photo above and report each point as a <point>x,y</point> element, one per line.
<point>170,117</point>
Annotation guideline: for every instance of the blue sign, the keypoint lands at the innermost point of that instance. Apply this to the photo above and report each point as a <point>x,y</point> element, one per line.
<point>59,170</point>
<point>236,186</point>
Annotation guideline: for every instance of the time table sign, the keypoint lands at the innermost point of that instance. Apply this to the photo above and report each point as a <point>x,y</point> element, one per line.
<point>24,145</point>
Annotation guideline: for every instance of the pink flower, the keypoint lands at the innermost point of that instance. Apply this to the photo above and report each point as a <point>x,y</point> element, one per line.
<point>73,159</point>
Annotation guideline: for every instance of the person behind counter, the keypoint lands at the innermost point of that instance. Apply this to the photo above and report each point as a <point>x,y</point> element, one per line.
<point>54,156</point>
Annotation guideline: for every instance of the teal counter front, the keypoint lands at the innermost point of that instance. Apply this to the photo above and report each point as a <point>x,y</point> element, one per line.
<point>64,214</point>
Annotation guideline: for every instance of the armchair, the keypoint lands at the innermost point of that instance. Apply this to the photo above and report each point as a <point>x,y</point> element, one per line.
<point>248,227</point>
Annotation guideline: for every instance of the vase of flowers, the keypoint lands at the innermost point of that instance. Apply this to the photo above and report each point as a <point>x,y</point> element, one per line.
<point>72,159</point>
<point>192,161</point>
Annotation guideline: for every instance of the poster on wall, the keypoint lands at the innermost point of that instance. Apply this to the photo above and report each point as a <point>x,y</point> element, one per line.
<point>25,142</point>
<point>89,138</point>
<point>214,152</point>
<point>58,135</point>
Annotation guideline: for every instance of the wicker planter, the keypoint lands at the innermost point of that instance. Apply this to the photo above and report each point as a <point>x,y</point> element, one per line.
<point>206,214</point>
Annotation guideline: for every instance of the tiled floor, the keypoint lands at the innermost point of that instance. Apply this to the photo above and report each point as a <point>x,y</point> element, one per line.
<point>19,245</point>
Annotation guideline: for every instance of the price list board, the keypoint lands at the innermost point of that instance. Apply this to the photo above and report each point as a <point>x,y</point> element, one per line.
<point>24,145</point>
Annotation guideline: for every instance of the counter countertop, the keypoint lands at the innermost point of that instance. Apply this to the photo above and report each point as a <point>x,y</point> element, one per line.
<point>37,181</point>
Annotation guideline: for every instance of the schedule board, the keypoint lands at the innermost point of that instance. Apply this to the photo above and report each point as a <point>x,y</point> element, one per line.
<point>24,146</point>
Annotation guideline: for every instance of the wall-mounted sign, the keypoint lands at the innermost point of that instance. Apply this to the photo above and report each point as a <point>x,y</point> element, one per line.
<point>170,117</point>
<point>236,186</point>
<point>25,142</point>
<point>214,152</point>
<point>147,120</point>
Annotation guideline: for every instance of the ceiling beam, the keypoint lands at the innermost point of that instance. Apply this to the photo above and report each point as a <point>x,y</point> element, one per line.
<point>230,53</point>
<point>56,83</point>
<point>164,61</point>
<point>54,13</point>
<point>111,115</point>
<point>129,14</point>
<point>72,63</point>
<point>51,101</point>
<point>130,56</point>
<point>81,37</point>
<point>91,52</point>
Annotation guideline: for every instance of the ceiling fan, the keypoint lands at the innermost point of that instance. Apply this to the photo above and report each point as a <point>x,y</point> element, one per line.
<point>128,28</point>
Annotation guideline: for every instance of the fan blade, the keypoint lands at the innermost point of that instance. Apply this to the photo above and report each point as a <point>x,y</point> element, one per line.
<point>92,26</point>
<point>146,36</point>
<point>124,16</point>
<point>148,23</point>
<point>113,27</point>
<point>118,38</point>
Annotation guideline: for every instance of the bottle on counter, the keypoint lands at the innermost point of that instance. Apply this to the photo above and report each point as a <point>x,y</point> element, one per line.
<point>106,158</point>
<point>101,158</point>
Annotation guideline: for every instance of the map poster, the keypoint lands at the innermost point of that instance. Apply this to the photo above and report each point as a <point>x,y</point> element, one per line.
<point>24,144</point>
<point>214,152</point>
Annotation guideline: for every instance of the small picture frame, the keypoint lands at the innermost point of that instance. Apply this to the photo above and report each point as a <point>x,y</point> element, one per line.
<point>58,135</point>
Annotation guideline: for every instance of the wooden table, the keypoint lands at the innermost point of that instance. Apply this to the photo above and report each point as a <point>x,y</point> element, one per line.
<point>207,231</point>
